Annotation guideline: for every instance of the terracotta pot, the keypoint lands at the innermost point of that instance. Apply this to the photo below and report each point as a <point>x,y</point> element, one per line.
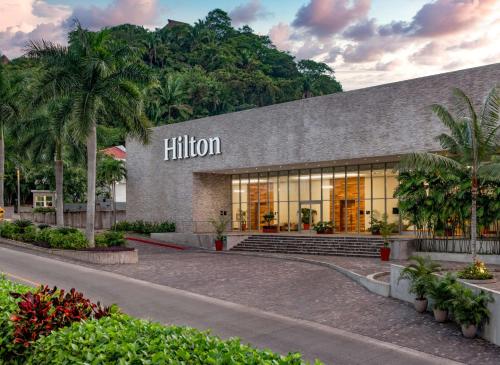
<point>307,226</point>
<point>385,253</point>
<point>219,245</point>
<point>469,331</point>
<point>420,305</point>
<point>271,229</point>
<point>243,226</point>
<point>440,315</point>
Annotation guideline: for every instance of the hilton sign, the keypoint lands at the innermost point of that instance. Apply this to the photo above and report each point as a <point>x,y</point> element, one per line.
<point>178,148</point>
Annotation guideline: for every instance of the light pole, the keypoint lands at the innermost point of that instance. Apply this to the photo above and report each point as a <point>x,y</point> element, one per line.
<point>18,190</point>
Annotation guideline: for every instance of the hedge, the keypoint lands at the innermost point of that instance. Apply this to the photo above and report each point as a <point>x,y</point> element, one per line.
<point>145,227</point>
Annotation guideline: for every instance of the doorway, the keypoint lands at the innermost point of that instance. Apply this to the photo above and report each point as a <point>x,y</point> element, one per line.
<point>309,214</point>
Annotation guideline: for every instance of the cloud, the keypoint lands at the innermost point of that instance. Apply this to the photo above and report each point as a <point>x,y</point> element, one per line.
<point>328,17</point>
<point>248,12</point>
<point>280,35</point>
<point>430,54</point>
<point>139,12</point>
<point>361,30</point>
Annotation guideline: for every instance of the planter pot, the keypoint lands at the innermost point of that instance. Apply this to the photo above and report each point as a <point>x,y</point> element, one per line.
<point>326,231</point>
<point>376,233</point>
<point>385,253</point>
<point>243,226</point>
<point>420,305</point>
<point>219,245</point>
<point>469,331</point>
<point>271,229</point>
<point>440,315</point>
<point>307,226</point>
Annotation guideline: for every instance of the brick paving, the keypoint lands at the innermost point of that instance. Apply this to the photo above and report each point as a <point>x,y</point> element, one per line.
<point>309,292</point>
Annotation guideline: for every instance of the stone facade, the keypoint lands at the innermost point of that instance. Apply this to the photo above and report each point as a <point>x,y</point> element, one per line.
<point>376,123</point>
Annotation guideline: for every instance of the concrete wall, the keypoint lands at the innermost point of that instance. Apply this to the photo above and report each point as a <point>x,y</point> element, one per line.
<point>386,120</point>
<point>490,332</point>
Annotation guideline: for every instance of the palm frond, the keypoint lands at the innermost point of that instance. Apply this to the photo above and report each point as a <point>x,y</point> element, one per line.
<point>425,161</point>
<point>490,171</point>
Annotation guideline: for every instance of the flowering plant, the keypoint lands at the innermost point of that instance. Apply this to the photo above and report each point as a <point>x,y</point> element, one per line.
<point>475,271</point>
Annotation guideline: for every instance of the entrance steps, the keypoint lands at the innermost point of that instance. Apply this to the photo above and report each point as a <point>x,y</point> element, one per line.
<point>333,245</point>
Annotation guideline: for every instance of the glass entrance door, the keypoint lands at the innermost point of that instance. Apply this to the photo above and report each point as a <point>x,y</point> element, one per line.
<point>309,214</point>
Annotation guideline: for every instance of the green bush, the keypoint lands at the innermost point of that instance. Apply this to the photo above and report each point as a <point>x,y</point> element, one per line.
<point>66,238</point>
<point>122,340</point>
<point>30,234</point>
<point>8,230</point>
<point>475,271</point>
<point>8,305</point>
<point>469,308</point>
<point>44,210</point>
<point>22,224</point>
<point>110,239</point>
<point>144,227</point>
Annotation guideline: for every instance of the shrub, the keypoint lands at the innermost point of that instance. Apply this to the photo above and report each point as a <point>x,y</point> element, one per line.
<point>8,230</point>
<point>8,305</point>
<point>44,310</point>
<point>419,273</point>
<point>68,238</point>
<point>30,234</point>
<point>22,224</point>
<point>475,271</point>
<point>144,227</point>
<point>323,227</point>
<point>441,291</point>
<point>44,210</point>
<point>110,239</point>
<point>43,226</point>
<point>469,308</point>
<point>120,339</point>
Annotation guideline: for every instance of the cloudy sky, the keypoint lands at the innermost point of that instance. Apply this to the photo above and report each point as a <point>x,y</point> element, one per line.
<point>367,42</point>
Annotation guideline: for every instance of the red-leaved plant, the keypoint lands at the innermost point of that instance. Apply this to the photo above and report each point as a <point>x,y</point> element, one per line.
<point>46,309</point>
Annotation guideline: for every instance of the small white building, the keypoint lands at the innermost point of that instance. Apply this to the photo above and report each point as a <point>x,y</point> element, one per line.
<point>118,153</point>
<point>43,198</point>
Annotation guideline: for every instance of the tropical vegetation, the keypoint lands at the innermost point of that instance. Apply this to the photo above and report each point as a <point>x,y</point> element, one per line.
<point>51,326</point>
<point>419,274</point>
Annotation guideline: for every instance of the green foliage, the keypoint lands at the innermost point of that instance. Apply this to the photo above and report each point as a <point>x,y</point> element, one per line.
<point>121,339</point>
<point>44,210</point>
<point>22,224</point>
<point>269,218</point>
<point>475,271</point>
<point>63,237</point>
<point>469,308</point>
<point>144,227</point>
<point>8,230</point>
<point>110,239</point>
<point>219,225</point>
<point>67,239</point>
<point>8,305</point>
<point>441,291</point>
<point>323,227</point>
<point>308,215</point>
<point>419,273</point>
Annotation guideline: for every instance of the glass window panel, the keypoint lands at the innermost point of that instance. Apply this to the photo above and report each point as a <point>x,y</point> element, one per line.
<point>352,182</point>
<point>365,211</point>
<point>244,216</point>
<point>316,185</point>
<point>352,215</point>
<point>294,186</point>
<point>339,211</point>
<point>283,186</point>
<point>244,188</point>
<point>48,198</point>
<point>273,186</point>
<point>253,188</point>
<point>392,211</point>
<point>378,181</point>
<point>294,216</point>
<point>263,187</point>
<point>283,216</point>
<point>391,181</point>
<point>365,182</point>
<point>327,210</point>
<point>304,185</point>
<point>236,217</point>
<point>378,208</point>
<point>236,189</point>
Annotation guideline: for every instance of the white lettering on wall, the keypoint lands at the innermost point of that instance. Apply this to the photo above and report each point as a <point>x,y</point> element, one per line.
<point>178,148</point>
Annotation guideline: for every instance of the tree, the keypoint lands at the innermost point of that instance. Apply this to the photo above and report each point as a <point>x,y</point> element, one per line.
<point>102,80</point>
<point>472,147</point>
<point>45,134</point>
<point>10,89</point>
<point>109,172</point>
<point>170,98</point>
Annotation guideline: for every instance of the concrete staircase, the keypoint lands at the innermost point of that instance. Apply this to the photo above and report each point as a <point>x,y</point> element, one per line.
<point>312,245</point>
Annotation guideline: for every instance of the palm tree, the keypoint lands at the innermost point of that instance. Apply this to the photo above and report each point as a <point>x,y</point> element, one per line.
<point>109,172</point>
<point>9,111</point>
<point>102,80</point>
<point>170,96</point>
<point>472,146</point>
<point>45,134</point>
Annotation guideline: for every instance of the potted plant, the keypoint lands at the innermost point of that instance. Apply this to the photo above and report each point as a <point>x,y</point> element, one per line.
<point>308,217</point>
<point>470,310</point>
<point>268,219</point>
<point>440,290</point>
<point>323,227</point>
<point>242,217</point>
<point>374,225</point>
<point>385,228</point>
<point>219,226</point>
<point>419,274</point>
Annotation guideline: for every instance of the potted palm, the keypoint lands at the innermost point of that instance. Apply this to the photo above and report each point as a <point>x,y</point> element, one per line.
<point>242,217</point>
<point>441,291</point>
<point>323,227</point>
<point>470,310</point>
<point>268,219</point>
<point>419,274</point>
<point>219,226</point>
<point>385,228</point>
<point>308,217</point>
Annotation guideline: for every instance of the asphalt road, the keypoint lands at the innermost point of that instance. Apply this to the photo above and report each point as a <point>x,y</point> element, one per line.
<point>225,319</point>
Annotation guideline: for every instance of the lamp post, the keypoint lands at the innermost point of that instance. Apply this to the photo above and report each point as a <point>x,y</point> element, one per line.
<point>18,190</point>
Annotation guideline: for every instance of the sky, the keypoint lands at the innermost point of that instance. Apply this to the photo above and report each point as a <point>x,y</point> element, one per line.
<point>366,42</point>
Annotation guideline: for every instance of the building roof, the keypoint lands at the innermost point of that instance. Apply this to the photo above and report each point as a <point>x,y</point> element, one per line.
<point>174,23</point>
<point>117,152</point>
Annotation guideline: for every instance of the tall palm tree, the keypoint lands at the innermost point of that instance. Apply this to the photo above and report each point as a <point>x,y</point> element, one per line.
<point>109,172</point>
<point>9,110</point>
<point>472,146</point>
<point>103,81</point>
<point>45,134</point>
<point>170,97</point>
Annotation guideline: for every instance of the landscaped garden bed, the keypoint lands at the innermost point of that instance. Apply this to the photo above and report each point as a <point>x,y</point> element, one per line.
<point>50,326</point>
<point>68,242</point>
